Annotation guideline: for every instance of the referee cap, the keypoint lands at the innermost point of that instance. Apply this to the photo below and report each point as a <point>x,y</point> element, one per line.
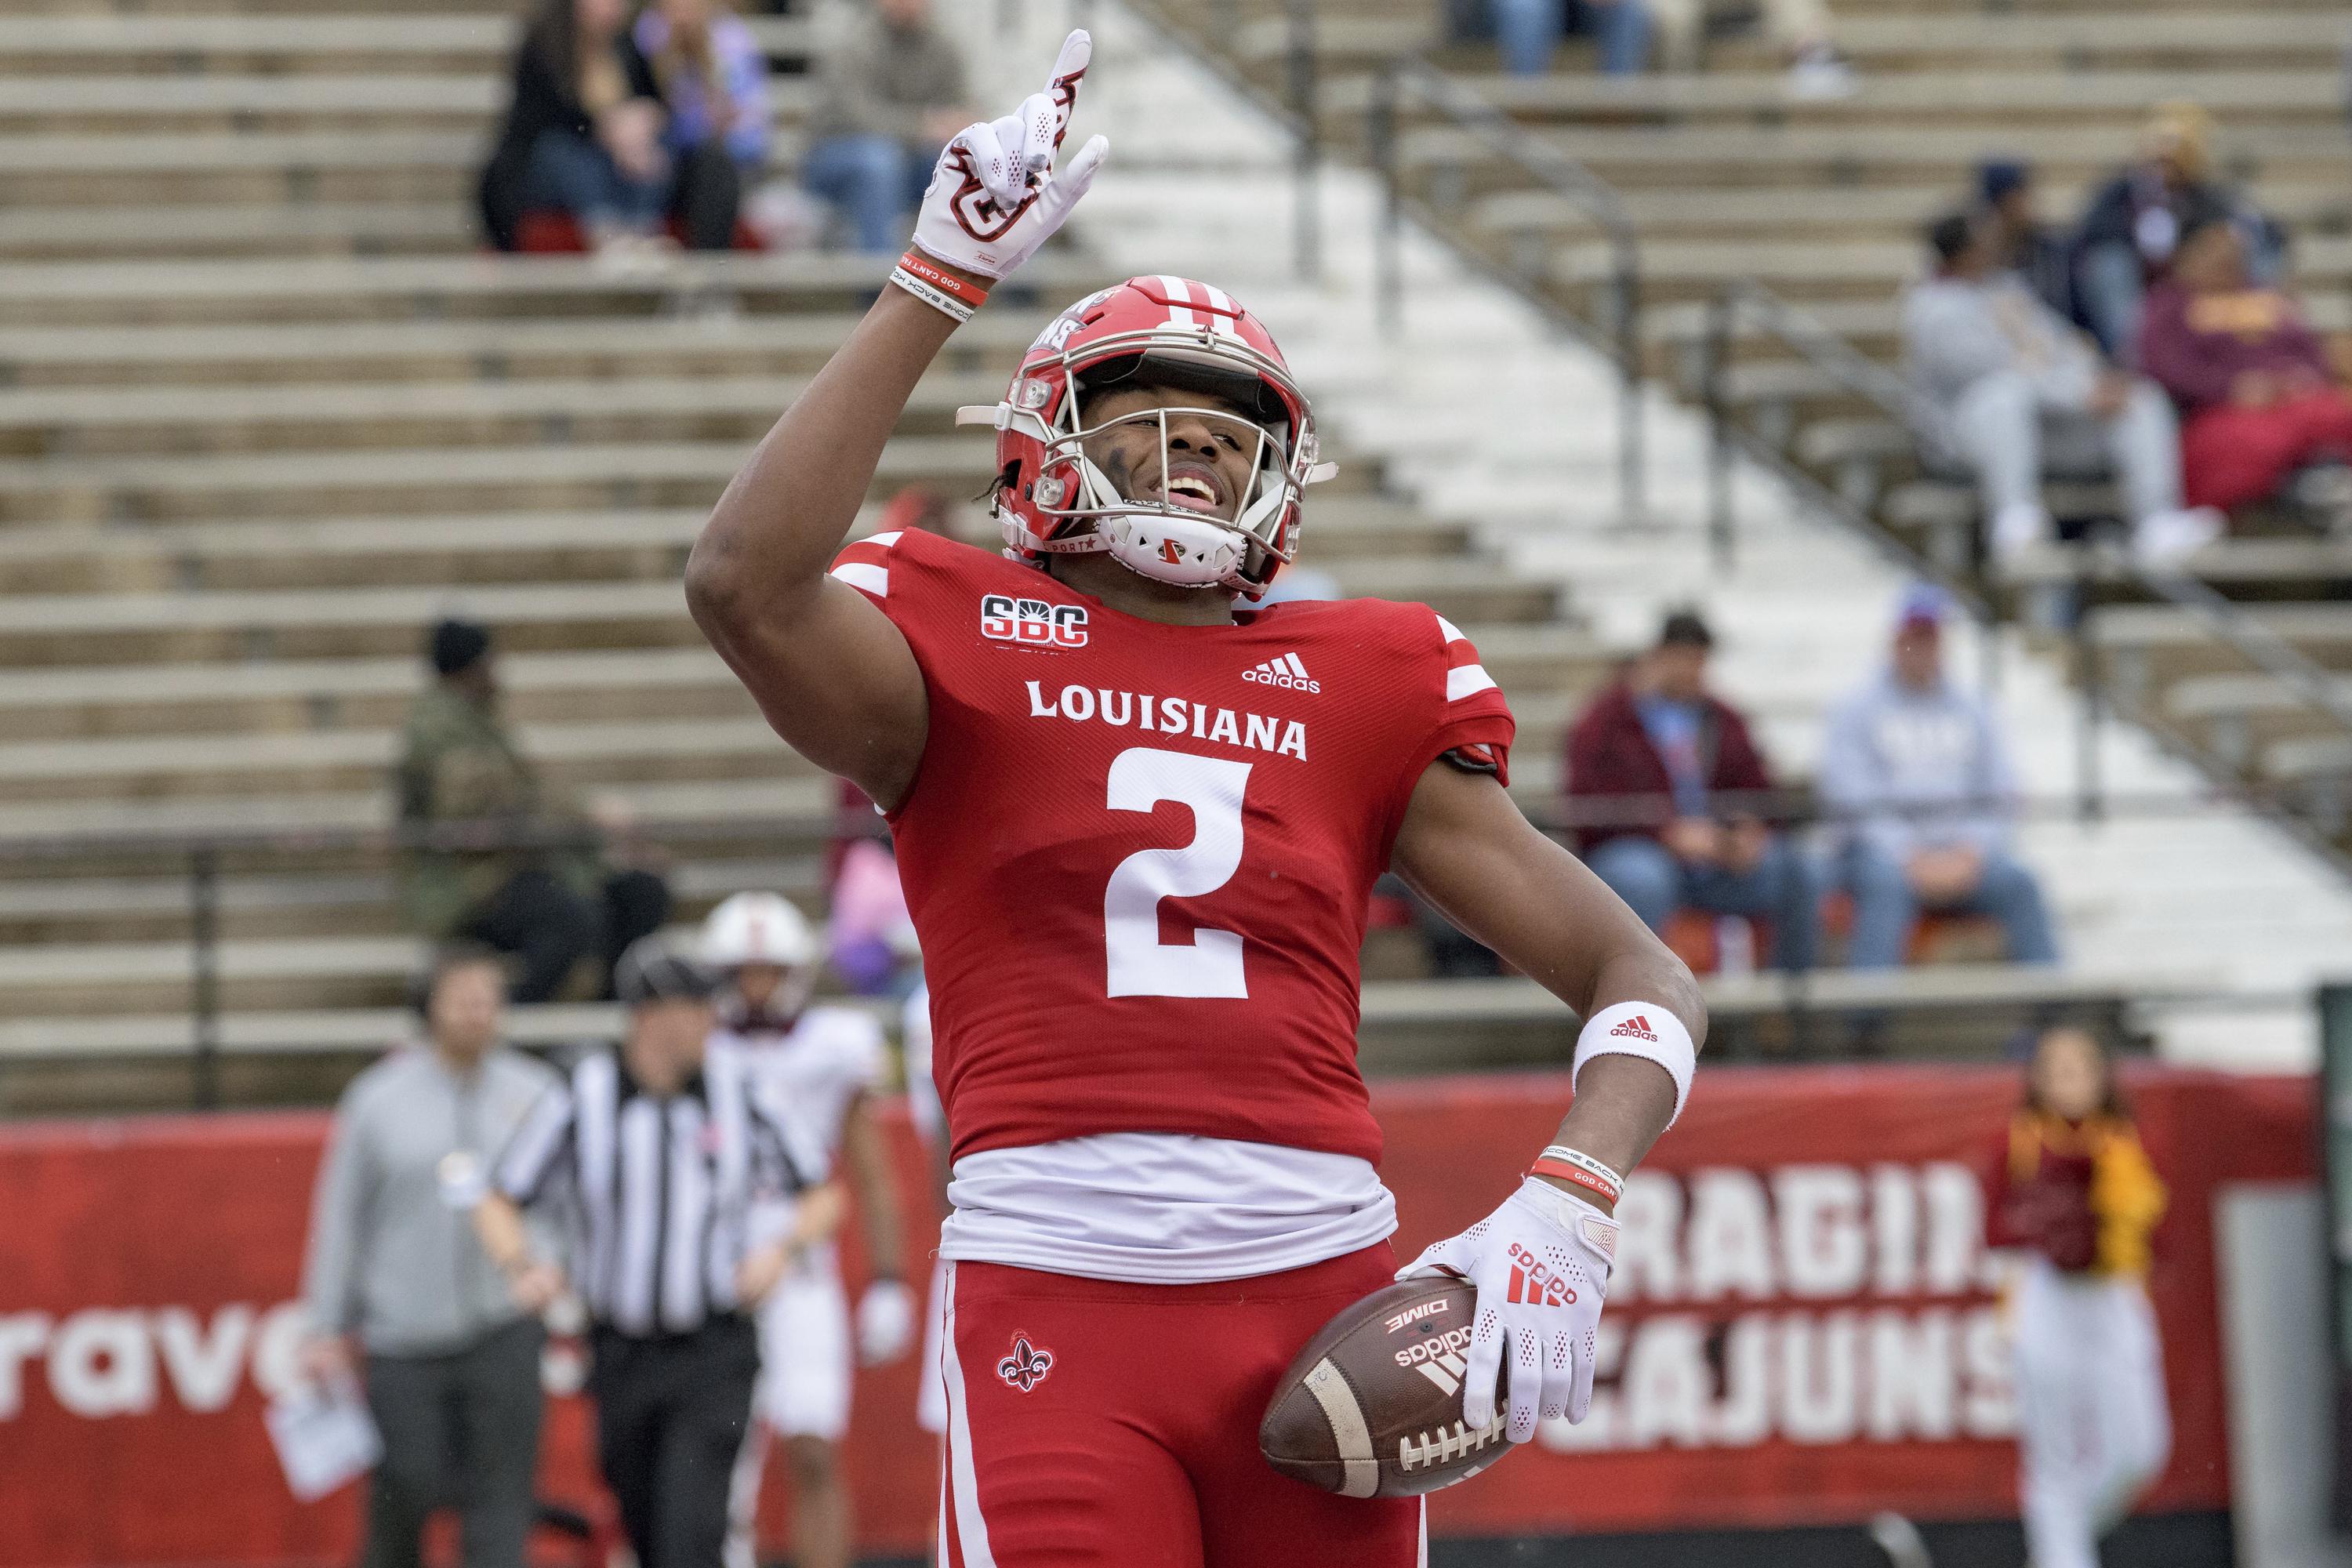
<point>653,970</point>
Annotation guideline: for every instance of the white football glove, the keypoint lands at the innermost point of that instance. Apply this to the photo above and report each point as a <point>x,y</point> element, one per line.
<point>994,197</point>
<point>1540,1264</point>
<point>886,1321</point>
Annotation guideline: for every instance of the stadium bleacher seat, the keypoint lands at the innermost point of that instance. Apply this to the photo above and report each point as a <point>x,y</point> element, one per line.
<point>265,410</point>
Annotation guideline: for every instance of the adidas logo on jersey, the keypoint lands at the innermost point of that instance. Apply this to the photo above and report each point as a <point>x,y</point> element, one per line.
<point>1285,671</point>
<point>1637,1027</point>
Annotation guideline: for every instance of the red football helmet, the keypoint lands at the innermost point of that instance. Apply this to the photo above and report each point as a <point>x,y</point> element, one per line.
<point>1164,331</point>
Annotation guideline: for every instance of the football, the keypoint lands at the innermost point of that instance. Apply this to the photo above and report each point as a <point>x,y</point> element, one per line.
<point>1372,1406</point>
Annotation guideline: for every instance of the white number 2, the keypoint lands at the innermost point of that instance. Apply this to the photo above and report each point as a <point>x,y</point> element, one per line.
<point>1140,964</point>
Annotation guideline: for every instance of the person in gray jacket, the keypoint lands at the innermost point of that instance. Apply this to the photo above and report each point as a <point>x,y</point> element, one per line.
<point>1916,770</point>
<point>398,1288</point>
<point>889,93</point>
<point>2007,390</point>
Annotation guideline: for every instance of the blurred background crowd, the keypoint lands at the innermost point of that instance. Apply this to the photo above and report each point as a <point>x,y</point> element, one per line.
<point>1898,460</point>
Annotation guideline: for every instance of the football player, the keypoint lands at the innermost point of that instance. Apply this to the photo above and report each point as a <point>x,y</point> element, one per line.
<point>825,1064</point>
<point>1138,821</point>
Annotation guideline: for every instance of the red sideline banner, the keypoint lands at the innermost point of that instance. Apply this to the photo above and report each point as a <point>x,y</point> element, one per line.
<point>1802,1328</point>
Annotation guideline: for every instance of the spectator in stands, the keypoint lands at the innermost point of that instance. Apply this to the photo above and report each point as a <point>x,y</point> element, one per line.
<point>2008,391</point>
<point>714,85</point>
<point>889,93</point>
<point>2036,252</point>
<point>1918,772</point>
<point>487,855</point>
<point>1668,790</point>
<point>449,1355</point>
<point>1528,31</point>
<point>1801,29</point>
<point>583,134</point>
<point>2252,379</point>
<point>2132,225</point>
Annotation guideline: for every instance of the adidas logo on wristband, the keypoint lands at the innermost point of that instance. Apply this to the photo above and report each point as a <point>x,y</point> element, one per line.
<point>1636,1027</point>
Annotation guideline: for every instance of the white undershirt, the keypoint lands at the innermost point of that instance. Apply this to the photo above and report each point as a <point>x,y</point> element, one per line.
<point>1162,1209</point>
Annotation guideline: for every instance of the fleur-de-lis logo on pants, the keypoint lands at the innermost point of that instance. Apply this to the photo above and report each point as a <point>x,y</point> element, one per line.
<point>1026,1367</point>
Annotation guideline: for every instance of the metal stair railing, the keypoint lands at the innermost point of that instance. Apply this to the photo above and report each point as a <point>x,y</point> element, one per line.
<point>1616,331</point>
<point>1853,372</point>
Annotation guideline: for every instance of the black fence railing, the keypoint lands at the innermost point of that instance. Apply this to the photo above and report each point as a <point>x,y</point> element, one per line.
<point>1615,328</point>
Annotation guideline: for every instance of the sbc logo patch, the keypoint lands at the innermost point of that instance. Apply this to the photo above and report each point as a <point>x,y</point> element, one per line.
<point>1026,1367</point>
<point>1032,623</point>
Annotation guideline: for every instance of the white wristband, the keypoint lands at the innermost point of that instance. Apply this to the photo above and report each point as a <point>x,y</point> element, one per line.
<point>937,298</point>
<point>1639,1029</point>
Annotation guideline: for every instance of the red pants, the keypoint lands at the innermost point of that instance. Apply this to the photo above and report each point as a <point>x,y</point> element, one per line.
<point>1093,1425</point>
<point>2230,454</point>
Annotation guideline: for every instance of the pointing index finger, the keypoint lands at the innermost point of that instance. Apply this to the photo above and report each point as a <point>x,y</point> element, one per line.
<point>1069,69</point>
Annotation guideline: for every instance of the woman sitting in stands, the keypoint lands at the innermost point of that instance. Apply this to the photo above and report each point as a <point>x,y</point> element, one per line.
<point>2072,1188</point>
<point>2259,400</point>
<point>714,83</point>
<point>583,135</point>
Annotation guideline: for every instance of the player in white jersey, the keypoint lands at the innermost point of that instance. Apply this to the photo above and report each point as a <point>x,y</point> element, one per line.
<point>825,1064</point>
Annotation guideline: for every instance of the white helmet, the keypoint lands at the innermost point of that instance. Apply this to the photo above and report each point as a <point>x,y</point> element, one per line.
<point>757,928</point>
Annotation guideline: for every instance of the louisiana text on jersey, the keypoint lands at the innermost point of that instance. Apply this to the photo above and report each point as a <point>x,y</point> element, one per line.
<point>1141,879</point>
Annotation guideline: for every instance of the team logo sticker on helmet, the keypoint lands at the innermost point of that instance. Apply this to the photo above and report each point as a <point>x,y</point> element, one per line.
<point>1026,1367</point>
<point>1032,623</point>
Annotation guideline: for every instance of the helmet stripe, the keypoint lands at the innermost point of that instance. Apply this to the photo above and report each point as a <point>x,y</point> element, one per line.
<point>1180,302</point>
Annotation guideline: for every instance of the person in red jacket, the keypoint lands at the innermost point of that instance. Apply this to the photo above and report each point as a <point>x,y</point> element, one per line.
<point>2258,397</point>
<point>1667,790</point>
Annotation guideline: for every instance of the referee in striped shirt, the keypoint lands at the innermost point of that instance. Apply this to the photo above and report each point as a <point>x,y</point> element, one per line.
<point>670,1158</point>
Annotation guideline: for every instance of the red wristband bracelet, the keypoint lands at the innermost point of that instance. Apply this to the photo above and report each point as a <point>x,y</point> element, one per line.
<point>940,278</point>
<point>1576,1173</point>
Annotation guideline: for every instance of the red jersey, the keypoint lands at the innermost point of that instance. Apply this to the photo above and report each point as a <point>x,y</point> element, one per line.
<point>1137,855</point>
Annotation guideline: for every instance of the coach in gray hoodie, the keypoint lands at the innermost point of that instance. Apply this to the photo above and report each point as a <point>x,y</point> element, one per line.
<point>451,1351</point>
<point>1915,769</point>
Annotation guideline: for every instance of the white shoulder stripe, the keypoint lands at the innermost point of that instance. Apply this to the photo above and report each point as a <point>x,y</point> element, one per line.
<point>1467,680</point>
<point>1453,633</point>
<point>875,579</point>
<point>885,540</point>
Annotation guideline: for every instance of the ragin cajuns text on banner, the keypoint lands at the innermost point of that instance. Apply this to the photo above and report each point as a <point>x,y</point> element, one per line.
<point>1801,1327</point>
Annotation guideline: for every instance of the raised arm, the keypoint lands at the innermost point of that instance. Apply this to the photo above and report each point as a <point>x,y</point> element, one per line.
<point>829,670</point>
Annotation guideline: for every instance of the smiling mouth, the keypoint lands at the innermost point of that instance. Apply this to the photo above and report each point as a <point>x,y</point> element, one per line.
<point>1193,488</point>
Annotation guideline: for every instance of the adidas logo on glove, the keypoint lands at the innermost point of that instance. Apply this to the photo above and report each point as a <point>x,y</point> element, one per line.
<point>1285,671</point>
